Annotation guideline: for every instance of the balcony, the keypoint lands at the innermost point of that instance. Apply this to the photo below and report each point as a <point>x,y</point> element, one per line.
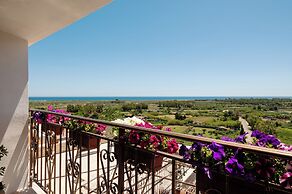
<point>66,160</point>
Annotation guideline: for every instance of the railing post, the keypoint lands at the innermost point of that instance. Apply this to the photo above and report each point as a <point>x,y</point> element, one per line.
<point>121,160</point>
<point>31,158</point>
<point>174,176</point>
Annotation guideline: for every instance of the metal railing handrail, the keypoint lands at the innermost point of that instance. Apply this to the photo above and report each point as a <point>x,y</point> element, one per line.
<point>191,138</point>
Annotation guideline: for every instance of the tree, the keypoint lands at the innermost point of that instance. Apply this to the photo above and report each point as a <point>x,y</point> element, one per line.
<point>268,127</point>
<point>179,116</point>
<point>99,108</point>
<point>88,109</point>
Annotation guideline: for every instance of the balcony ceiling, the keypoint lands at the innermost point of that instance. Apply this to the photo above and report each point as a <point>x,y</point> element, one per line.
<point>34,20</point>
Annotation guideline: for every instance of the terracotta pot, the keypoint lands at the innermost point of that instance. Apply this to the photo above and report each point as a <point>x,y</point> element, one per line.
<point>88,142</point>
<point>2,192</point>
<point>220,184</point>
<point>136,156</point>
<point>56,128</point>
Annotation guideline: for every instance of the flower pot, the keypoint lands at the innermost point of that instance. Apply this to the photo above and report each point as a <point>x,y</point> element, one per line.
<point>136,156</point>
<point>56,128</point>
<point>2,192</point>
<point>90,142</point>
<point>87,141</point>
<point>220,183</point>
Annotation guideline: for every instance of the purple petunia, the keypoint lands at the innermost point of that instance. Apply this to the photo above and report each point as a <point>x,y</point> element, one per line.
<point>196,147</point>
<point>38,117</point>
<point>268,140</point>
<point>226,138</point>
<point>218,151</point>
<point>241,138</point>
<point>265,139</point>
<point>184,151</point>
<point>257,134</point>
<point>234,167</point>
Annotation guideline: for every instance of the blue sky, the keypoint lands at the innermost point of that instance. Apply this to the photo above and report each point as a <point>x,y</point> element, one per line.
<point>169,48</point>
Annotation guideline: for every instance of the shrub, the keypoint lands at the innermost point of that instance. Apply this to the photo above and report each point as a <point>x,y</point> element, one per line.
<point>180,116</point>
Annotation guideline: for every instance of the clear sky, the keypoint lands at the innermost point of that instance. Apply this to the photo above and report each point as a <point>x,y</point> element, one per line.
<point>169,48</point>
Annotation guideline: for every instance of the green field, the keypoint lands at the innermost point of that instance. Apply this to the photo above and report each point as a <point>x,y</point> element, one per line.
<point>210,118</point>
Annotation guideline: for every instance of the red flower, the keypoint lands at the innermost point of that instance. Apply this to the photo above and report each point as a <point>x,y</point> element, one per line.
<point>100,128</point>
<point>172,146</point>
<point>134,137</point>
<point>154,141</point>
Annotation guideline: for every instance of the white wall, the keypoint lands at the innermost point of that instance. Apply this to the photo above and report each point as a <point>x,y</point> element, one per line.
<point>14,109</point>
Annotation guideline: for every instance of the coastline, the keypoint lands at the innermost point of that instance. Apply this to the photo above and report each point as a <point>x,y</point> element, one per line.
<point>151,98</point>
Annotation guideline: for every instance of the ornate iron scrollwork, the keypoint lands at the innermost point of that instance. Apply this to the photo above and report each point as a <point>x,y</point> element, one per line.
<point>134,172</point>
<point>109,171</point>
<point>73,168</point>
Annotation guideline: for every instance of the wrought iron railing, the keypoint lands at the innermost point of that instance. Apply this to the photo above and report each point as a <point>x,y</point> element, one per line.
<point>63,160</point>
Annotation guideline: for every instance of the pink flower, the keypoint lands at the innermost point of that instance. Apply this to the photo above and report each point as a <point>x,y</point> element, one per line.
<point>154,141</point>
<point>172,146</point>
<point>285,147</point>
<point>145,125</point>
<point>50,108</point>
<point>286,180</point>
<point>264,168</point>
<point>134,137</point>
<point>168,129</point>
<point>100,128</point>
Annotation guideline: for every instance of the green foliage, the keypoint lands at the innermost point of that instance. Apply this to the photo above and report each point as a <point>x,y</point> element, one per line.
<point>73,108</point>
<point>134,106</point>
<point>99,108</point>
<point>175,122</point>
<point>269,115</point>
<point>176,104</point>
<point>230,115</point>
<point>180,116</point>
<point>252,120</point>
<point>268,127</point>
<point>88,109</point>
<point>3,152</point>
<point>110,114</point>
<point>285,135</point>
<point>228,124</point>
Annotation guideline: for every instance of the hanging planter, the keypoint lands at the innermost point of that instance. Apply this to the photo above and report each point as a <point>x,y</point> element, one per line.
<point>86,141</point>
<point>78,129</point>
<point>56,128</point>
<point>135,156</point>
<point>137,143</point>
<point>235,171</point>
<point>221,183</point>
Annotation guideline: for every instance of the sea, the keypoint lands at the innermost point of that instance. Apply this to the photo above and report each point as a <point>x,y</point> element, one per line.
<point>150,98</point>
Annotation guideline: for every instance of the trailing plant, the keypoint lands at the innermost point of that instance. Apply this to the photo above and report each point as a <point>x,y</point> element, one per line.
<point>3,152</point>
<point>214,157</point>
<point>145,140</point>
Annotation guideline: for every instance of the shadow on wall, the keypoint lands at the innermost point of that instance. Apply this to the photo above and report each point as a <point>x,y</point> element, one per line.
<point>14,109</point>
<point>16,175</point>
<point>15,139</point>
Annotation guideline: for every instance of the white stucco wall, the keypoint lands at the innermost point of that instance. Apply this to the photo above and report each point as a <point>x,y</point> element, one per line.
<point>14,109</point>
